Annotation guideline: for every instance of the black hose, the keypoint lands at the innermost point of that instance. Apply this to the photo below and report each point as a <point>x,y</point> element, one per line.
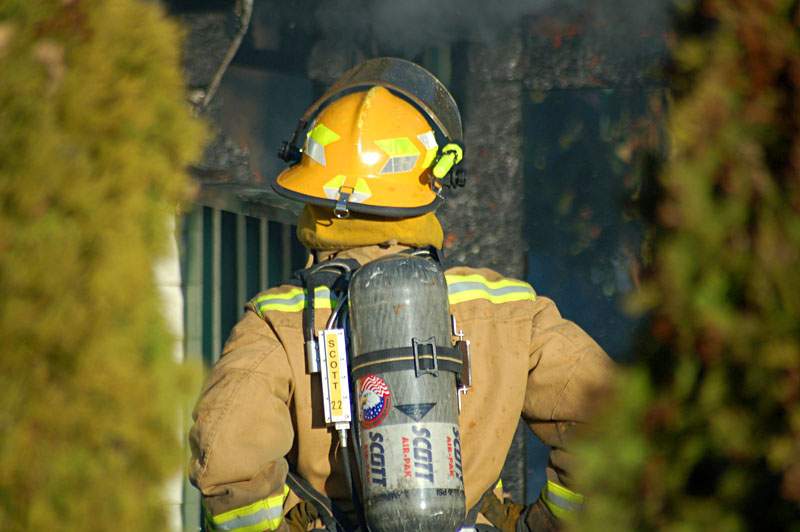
<point>341,317</point>
<point>348,473</point>
<point>310,285</point>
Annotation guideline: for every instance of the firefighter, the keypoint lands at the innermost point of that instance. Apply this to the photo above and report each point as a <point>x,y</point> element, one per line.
<point>371,173</point>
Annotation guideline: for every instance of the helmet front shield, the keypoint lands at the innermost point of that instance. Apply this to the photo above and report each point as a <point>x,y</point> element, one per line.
<point>406,78</point>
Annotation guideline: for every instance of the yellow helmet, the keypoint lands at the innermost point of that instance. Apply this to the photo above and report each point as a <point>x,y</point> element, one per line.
<point>371,151</point>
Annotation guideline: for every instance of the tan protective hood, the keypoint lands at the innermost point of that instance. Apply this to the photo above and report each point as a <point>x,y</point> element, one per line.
<point>319,229</point>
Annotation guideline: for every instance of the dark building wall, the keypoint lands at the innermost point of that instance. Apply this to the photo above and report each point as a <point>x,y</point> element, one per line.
<point>483,222</point>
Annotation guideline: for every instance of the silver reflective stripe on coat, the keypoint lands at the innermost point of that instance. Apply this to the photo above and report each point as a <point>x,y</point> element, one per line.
<point>561,501</point>
<point>237,523</point>
<point>259,516</point>
<point>457,288</point>
<point>470,287</point>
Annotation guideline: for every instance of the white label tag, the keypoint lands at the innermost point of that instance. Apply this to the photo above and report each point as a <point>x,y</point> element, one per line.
<point>335,385</point>
<point>412,456</point>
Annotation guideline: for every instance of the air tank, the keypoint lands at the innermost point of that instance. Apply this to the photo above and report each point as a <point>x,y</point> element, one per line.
<point>409,438</point>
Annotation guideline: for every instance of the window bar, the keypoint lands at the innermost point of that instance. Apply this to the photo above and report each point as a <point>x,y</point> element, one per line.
<point>241,264</point>
<point>216,284</point>
<point>263,265</point>
<point>286,252</point>
<point>194,285</point>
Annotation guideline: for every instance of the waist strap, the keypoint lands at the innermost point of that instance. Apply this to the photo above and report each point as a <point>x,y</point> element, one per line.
<point>336,521</point>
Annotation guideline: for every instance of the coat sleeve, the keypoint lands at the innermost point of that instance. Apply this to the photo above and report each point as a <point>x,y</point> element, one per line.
<point>242,431</point>
<point>566,367</point>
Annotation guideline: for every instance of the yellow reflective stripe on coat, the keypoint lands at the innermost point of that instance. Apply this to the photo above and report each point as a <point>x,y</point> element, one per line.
<point>293,300</point>
<point>265,514</point>
<point>462,288</point>
<point>561,501</point>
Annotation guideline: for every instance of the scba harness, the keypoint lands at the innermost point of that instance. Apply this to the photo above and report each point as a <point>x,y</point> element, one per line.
<point>389,344</point>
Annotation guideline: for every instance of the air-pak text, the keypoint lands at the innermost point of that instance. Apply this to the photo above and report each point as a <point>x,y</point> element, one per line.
<point>406,457</point>
<point>423,457</point>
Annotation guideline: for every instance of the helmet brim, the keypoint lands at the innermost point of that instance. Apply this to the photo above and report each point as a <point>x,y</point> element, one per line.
<point>376,210</point>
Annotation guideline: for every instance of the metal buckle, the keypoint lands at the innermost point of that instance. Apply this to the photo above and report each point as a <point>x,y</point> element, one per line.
<point>464,377</point>
<point>420,371</point>
<point>341,210</point>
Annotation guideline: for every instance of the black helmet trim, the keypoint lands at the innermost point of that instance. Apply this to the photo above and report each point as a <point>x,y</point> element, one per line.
<point>376,210</point>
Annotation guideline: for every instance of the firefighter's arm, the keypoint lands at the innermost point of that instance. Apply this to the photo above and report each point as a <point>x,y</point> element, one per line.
<point>566,369</point>
<point>242,431</point>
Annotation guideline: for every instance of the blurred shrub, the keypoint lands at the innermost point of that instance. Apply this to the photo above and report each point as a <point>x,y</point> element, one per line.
<point>94,136</point>
<point>704,432</point>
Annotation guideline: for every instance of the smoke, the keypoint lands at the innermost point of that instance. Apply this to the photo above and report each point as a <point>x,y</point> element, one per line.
<point>406,28</point>
<point>402,25</point>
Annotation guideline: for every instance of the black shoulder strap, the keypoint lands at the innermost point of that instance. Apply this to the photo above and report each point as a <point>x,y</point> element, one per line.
<point>329,277</point>
<point>327,272</point>
<point>334,274</point>
<point>437,255</point>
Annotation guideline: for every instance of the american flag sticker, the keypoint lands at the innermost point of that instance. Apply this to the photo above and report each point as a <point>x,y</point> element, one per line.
<point>374,401</point>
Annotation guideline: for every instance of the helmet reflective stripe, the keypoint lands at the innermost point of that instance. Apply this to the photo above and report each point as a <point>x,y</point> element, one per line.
<point>561,501</point>
<point>265,514</point>
<point>403,155</point>
<point>318,138</point>
<point>470,287</point>
<point>358,194</point>
<point>332,187</point>
<point>429,141</point>
<point>294,300</point>
<point>361,192</point>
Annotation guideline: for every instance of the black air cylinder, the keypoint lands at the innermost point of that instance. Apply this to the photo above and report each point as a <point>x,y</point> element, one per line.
<point>408,418</point>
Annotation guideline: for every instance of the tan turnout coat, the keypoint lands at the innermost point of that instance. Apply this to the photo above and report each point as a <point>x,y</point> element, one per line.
<point>259,407</point>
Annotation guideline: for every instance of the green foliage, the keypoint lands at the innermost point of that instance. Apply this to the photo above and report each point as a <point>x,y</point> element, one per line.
<point>94,137</point>
<point>704,431</point>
